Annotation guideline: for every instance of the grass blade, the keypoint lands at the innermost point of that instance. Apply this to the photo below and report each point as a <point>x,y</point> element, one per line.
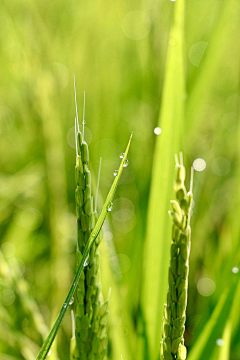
<point>158,236</point>
<point>48,342</point>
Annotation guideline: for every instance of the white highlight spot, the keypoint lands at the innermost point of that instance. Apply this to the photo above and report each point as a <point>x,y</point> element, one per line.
<point>235,270</point>
<point>220,342</point>
<point>199,164</point>
<point>158,130</point>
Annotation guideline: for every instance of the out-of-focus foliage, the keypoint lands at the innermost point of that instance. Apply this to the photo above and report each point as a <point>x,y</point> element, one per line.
<point>118,51</point>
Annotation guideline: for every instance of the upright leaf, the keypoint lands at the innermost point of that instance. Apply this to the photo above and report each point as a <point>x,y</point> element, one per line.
<point>158,236</point>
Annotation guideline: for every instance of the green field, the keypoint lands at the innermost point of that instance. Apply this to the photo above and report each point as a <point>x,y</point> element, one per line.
<point>169,72</point>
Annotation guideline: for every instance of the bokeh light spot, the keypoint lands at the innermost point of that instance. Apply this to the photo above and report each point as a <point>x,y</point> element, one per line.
<point>120,263</point>
<point>199,164</point>
<point>235,270</point>
<point>196,52</point>
<point>220,342</point>
<point>157,130</point>
<point>230,121</point>
<point>206,286</point>
<point>28,217</point>
<point>7,297</point>
<point>221,166</point>
<point>108,236</point>
<point>136,25</point>
<point>8,249</point>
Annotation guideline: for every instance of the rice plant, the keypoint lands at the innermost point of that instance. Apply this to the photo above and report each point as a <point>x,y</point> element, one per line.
<point>169,72</point>
<point>174,317</point>
<point>91,318</point>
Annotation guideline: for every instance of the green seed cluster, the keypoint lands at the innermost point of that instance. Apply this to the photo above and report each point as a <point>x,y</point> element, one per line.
<point>91,315</point>
<point>172,345</point>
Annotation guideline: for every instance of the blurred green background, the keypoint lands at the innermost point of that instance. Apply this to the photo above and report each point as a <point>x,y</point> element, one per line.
<point>118,52</point>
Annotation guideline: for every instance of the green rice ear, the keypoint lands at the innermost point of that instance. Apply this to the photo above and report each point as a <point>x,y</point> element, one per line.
<point>175,309</point>
<point>91,240</point>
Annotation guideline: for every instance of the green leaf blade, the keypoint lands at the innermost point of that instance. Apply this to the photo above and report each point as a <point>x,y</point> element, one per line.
<point>158,237</point>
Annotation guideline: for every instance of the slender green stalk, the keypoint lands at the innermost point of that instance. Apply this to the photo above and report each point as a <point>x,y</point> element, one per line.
<point>91,315</point>
<point>172,345</point>
<point>92,238</point>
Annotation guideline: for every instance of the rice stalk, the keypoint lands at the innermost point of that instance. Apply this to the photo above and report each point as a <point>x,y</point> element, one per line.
<point>91,314</point>
<point>93,235</point>
<point>172,345</point>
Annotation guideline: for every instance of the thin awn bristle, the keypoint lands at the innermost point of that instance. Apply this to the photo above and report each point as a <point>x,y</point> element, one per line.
<point>75,95</point>
<point>73,324</point>
<point>98,182</point>
<point>76,138</point>
<point>176,159</point>
<point>83,123</point>
<point>191,179</point>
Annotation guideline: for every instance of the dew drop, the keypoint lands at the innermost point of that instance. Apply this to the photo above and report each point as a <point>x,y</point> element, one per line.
<point>85,263</point>
<point>65,305</point>
<point>125,164</point>
<point>220,342</point>
<point>115,173</point>
<point>84,122</point>
<point>49,353</point>
<point>121,155</point>
<point>110,206</point>
<point>235,270</point>
<point>157,130</point>
<point>71,301</point>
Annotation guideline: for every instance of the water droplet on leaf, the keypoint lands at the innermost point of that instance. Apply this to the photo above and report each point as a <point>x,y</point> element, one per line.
<point>65,305</point>
<point>122,155</point>
<point>85,263</point>
<point>71,301</point>
<point>110,206</point>
<point>115,173</point>
<point>125,164</point>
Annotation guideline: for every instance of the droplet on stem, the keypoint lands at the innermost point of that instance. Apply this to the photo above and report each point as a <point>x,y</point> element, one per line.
<point>126,162</point>
<point>115,173</point>
<point>121,155</point>
<point>110,206</point>
<point>71,301</point>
